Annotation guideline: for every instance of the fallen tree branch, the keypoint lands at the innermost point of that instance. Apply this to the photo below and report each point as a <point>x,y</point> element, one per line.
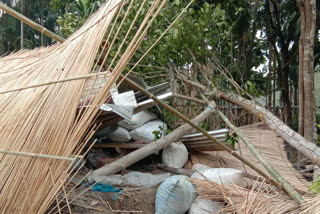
<point>307,148</point>
<point>189,98</point>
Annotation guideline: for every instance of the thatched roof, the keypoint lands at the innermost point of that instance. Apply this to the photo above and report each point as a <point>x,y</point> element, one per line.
<point>45,119</point>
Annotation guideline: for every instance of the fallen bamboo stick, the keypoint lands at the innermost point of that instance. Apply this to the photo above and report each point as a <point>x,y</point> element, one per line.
<point>55,82</point>
<point>31,23</point>
<point>272,171</point>
<point>29,154</point>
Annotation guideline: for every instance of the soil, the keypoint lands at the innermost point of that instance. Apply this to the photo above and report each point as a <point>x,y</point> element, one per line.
<point>130,200</point>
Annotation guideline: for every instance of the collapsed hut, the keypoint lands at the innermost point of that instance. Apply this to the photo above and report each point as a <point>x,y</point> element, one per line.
<point>55,99</point>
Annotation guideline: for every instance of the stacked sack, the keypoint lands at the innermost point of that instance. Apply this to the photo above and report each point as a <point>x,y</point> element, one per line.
<point>140,128</point>
<point>143,126</point>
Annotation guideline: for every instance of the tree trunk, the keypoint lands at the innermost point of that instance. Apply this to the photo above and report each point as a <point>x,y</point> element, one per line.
<point>307,115</point>
<point>284,85</point>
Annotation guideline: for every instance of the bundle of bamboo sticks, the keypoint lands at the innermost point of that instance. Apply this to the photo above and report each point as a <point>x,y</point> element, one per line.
<point>43,121</point>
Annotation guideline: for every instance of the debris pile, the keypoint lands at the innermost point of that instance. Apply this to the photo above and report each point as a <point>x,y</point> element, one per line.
<point>65,149</point>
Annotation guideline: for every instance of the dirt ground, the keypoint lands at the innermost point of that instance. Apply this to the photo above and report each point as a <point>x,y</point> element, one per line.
<point>130,200</point>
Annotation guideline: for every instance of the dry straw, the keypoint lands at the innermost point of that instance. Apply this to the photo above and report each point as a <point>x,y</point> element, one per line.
<point>45,119</point>
<point>259,199</point>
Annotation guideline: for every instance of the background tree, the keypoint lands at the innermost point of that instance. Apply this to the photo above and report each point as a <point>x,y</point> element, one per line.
<point>307,110</point>
<point>39,11</point>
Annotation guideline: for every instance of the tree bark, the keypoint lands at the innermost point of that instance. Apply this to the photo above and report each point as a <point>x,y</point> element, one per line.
<point>281,40</point>
<point>284,85</point>
<point>307,115</point>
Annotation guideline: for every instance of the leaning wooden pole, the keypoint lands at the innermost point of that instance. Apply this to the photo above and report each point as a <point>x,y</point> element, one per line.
<point>31,23</point>
<point>274,173</point>
<point>149,149</point>
<point>196,126</point>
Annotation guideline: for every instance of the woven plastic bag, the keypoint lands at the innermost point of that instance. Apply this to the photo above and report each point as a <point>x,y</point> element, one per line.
<point>225,176</point>
<point>204,206</point>
<point>146,134</point>
<point>119,135</point>
<point>175,155</point>
<point>174,195</point>
<point>137,120</point>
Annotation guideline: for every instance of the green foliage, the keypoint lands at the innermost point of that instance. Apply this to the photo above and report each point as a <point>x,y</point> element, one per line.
<point>73,14</point>
<point>232,138</point>
<point>38,11</point>
<point>69,23</point>
<point>205,125</point>
<point>160,133</point>
<point>209,27</point>
<point>170,119</point>
<point>315,187</point>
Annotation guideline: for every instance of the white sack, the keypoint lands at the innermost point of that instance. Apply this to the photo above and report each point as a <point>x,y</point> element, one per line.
<point>175,155</point>
<point>138,179</point>
<point>145,132</point>
<point>204,206</point>
<point>137,120</point>
<point>200,167</point>
<point>120,135</point>
<point>174,195</point>
<point>225,176</point>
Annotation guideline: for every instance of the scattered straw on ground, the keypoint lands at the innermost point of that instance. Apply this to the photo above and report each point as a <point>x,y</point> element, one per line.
<point>268,144</point>
<point>259,199</point>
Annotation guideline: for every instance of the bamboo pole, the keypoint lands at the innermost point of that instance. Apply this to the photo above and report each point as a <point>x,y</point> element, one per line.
<point>196,126</point>
<point>29,154</point>
<point>55,81</point>
<point>31,23</point>
<point>272,171</point>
